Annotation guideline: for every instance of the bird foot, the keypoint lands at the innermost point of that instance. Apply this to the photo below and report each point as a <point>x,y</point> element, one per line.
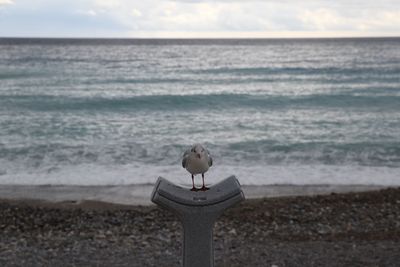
<point>194,189</point>
<point>204,188</point>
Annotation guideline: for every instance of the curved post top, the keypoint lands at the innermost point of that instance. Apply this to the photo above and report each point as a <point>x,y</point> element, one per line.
<point>226,189</point>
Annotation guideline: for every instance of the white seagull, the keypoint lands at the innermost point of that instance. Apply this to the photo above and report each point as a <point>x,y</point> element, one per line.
<point>197,160</point>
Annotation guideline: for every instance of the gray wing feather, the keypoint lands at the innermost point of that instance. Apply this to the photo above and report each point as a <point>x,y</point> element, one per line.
<point>210,160</point>
<point>185,157</point>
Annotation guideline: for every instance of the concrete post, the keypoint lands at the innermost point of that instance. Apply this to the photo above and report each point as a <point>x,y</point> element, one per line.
<point>198,212</point>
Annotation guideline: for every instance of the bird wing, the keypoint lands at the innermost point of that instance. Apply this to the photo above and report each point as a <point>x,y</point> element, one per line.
<point>210,160</point>
<point>185,157</point>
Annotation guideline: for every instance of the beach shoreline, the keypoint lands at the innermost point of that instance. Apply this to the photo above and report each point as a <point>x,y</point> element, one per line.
<point>348,229</point>
<point>141,194</point>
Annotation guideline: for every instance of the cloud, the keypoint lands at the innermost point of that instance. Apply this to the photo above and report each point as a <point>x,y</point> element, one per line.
<point>109,3</point>
<point>62,18</point>
<point>322,19</point>
<point>133,18</point>
<point>136,13</point>
<point>386,20</point>
<point>89,12</point>
<point>255,16</point>
<point>6,2</point>
<point>364,20</point>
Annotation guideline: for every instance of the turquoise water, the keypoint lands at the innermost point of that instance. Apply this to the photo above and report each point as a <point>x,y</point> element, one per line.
<point>270,111</point>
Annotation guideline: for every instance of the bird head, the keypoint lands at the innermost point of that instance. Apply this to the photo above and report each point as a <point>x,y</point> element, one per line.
<point>199,150</point>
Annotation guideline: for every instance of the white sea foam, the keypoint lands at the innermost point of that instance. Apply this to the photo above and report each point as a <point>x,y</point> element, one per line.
<point>315,114</point>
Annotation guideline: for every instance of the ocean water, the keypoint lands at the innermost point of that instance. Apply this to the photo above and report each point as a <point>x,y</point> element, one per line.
<point>119,112</point>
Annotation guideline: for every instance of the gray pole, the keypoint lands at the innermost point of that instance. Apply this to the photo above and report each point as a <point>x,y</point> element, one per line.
<point>198,212</point>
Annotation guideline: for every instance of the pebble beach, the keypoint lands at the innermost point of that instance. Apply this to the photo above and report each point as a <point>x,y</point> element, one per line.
<point>351,229</point>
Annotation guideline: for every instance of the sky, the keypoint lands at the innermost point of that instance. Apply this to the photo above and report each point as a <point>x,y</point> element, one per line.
<point>199,18</point>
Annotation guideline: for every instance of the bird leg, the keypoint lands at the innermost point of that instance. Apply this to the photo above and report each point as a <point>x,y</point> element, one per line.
<point>193,188</point>
<point>204,188</point>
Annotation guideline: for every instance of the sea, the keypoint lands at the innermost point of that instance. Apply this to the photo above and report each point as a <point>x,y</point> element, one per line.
<point>92,112</point>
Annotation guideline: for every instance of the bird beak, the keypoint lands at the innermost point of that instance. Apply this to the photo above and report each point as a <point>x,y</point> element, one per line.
<point>198,155</point>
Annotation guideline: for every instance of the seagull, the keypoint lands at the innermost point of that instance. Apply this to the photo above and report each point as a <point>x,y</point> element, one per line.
<point>197,160</point>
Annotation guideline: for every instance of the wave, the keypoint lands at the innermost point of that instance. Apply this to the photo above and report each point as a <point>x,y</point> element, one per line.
<point>199,101</point>
<point>329,153</point>
<point>342,71</point>
<point>7,75</point>
<point>53,156</point>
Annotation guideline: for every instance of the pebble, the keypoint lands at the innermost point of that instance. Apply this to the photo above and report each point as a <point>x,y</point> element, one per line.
<point>292,231</point>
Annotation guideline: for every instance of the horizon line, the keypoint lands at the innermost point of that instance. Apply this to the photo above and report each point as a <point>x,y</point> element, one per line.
<point>201,38</point>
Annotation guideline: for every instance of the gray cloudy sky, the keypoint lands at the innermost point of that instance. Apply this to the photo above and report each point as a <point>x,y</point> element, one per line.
<point>199,18</point>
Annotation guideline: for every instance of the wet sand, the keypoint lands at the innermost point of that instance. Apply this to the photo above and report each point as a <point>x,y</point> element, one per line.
<point>352,229</point>
<point>140,194</point>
